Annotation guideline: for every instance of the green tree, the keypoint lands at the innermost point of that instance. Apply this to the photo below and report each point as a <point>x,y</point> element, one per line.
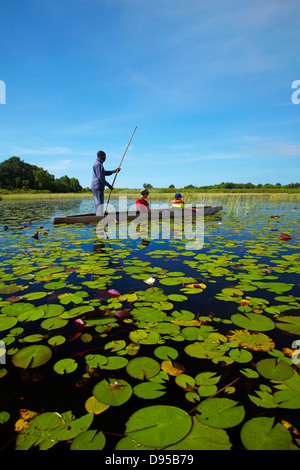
<point>43,180</point>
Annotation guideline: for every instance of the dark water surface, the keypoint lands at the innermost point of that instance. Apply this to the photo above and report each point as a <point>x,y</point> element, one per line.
<point>70,267</point>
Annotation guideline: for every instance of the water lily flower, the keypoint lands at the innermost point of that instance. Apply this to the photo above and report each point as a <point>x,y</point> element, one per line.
<point>114,293</point>
<point>150,281</point>
<point>284,236</point>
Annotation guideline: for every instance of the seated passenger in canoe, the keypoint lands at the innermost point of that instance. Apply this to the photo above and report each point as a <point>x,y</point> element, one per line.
<point>178,202</point>
<point>141,203</point>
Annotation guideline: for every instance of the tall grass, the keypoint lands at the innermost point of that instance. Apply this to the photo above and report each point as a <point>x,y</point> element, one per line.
<point>237,204</point>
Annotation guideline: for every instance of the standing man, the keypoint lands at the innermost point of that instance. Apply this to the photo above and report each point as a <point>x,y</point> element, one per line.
<point>99,182</point>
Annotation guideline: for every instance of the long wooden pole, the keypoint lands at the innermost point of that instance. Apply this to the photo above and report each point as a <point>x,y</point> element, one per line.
<point>119,167</point>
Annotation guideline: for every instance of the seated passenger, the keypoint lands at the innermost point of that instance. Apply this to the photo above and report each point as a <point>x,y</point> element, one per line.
<point>178,201</point>
<point>142,203</point>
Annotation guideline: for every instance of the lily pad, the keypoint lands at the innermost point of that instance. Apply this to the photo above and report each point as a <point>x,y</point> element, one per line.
<point>143,367</point>
<point>203,350</point>
<point>115,362</point>
<point>32,356</point>
<point>166,352</point>
<point>7,322</point>
<point>203,437</point>
<point>290,324</point>
<point>53,323</point>
<point>274,369</point>
<point>253,321</point>
<point>149,390</point>
<point>158,425</point>
<point>112,392</point>
<point>220,412</point>
<point>55,285</point>
<point>148,314</point>
<point>261,434</point>
<point>89,440</point>
<point>252,341</point>
<point>65,366</point>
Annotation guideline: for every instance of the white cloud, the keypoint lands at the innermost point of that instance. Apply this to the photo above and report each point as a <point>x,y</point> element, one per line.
<point>59,165</point>
<point>258,146</point>
<point>44,151</point>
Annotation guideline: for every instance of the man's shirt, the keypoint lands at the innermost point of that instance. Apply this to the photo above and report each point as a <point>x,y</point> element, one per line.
<point>99,181</point>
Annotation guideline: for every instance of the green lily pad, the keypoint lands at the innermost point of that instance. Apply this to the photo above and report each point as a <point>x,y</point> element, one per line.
<point>177,297</point>
<point>89,440</point>
<point>7,322</point>
<point>76,311</point>
<point>287,399</point>
<point>149,390</point>
<point>148,314</point>
<point>232,292</point>
<point>207,378</point>
<point>4,417</point>
<point>53,323</point>
<point>129,444</point>
<point>290,324</point>
<point>220,413</point>
<point>203,437</point>
<point>143,368</point>
<point>33,338</point>
<point>32,356</point>
<point>55,285</point>
<point>114,363</point>
<point>35,295</point>
<point>56,340</point>
<point>73,427</point>
<point>158,425</point>
<point>250,373</point>
<point>171,281</point>
<point>240,355</point>
<point>166,352</point>
<point>112,392</point>
<point>52,310</point>
<point>253,321</point>
<point>260,434</point>
<point>65,366</point>
<point>274,370</point>
<point>48,428</point>
<point>203,350</point>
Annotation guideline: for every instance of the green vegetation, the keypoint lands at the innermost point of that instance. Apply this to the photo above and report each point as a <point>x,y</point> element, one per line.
<point>15,174</point>
<point>20,180</point>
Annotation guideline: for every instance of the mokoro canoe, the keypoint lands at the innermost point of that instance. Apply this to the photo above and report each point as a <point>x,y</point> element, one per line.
<point>92,218</point>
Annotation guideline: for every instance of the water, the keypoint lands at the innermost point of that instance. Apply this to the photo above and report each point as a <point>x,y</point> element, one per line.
<point>241,251</point>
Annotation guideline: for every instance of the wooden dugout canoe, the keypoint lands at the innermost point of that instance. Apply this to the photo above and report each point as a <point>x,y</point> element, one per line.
<point>155,214</point>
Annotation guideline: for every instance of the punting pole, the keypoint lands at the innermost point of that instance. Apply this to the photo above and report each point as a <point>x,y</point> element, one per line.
<point>119,167</point>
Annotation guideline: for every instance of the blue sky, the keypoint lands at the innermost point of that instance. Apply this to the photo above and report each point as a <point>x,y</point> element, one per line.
<point>207,83</point>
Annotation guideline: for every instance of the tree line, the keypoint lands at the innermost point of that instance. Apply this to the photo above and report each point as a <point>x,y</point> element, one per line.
<point>244,186</point>
<point>15,174</point>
